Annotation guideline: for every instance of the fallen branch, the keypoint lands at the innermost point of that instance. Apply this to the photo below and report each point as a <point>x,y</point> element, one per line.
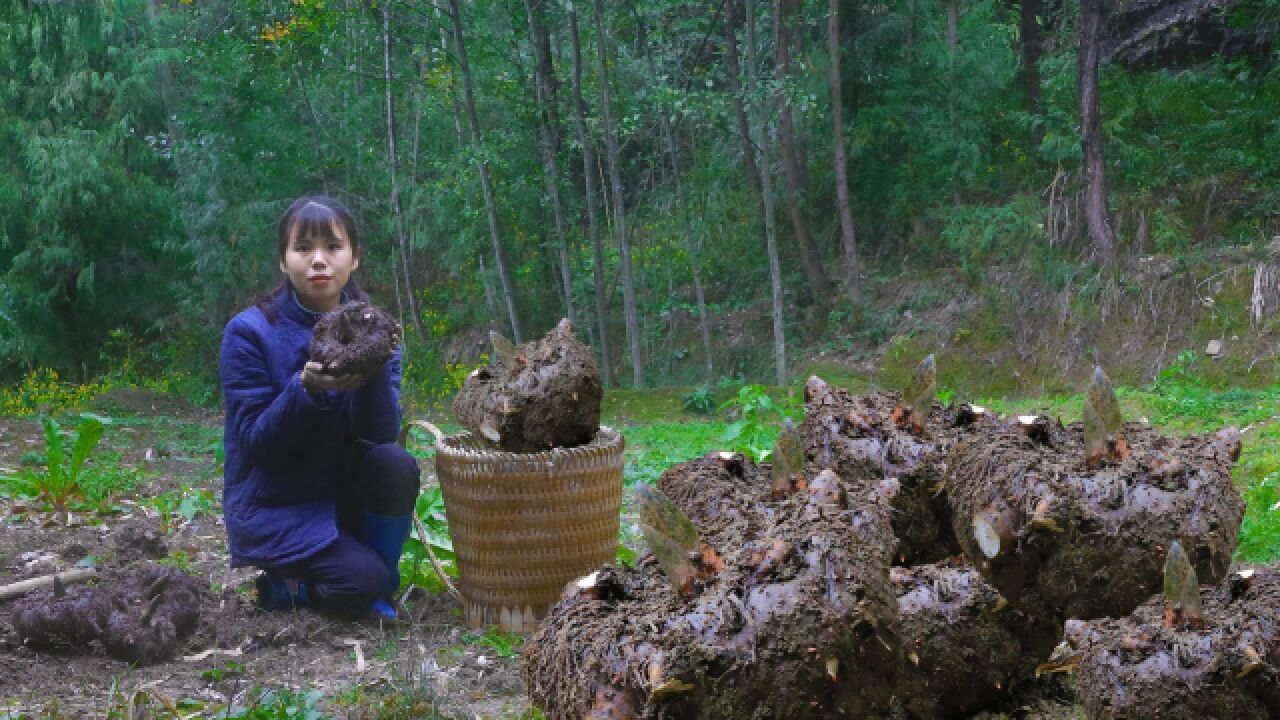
<point>18,589</point>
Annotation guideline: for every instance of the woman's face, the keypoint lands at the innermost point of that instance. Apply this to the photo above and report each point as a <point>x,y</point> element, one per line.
<point>318,266</point>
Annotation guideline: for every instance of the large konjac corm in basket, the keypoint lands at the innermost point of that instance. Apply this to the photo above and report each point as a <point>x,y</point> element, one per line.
<point>540,395</point>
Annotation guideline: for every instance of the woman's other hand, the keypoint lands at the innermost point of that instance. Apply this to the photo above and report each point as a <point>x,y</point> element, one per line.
<point>316,381</point>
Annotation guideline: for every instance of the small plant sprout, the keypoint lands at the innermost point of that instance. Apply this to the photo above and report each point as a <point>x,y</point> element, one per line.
<point>674,541</point>
<point>1182,606</point>
<point>1104,438</point>
<point>917,397</point>
<point>788,460</point>
<point>504,351</point>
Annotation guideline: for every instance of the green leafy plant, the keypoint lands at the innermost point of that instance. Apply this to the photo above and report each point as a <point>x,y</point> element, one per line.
<point>186,503</point>
<point>279,705</point>
<point>701,400</point>
<point>626,556</point>
<point>758,418</point>
<point>67,477</point>
<point>415,565</point>
<point>505,644</point>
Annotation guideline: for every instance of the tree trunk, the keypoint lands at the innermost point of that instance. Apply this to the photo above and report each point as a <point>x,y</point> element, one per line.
<point>953,49</point>
<point>848,238</point>
<point>397,213</point>
<point>544,89</point>
<point>499,252</point>
<point>1091,139</point>
<point>695,265</point>
<point>766,197</point>
<point>739,103</point>
<point>819,283</point>
<point>613,159</point>
<point>593,198</point>
<point>1030,47</point>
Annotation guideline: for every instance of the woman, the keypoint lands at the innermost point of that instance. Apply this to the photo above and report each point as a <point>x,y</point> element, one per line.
<point>316,491</point>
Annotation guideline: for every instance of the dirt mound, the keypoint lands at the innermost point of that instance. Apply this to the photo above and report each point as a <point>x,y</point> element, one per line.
<point>139,539</point>
<point>354,338</point>
<point>140,614</point>
<point>1136,667</point>
<point>546,395</point>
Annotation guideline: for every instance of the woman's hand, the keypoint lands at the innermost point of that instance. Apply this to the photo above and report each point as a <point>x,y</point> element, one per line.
<point>316,381</point>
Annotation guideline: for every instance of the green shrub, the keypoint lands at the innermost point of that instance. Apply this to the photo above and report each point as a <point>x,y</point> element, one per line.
<point>701,400</point>
<point>756,419</point>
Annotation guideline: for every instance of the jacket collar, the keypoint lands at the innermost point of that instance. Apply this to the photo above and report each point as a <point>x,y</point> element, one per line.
<point>288,305</point>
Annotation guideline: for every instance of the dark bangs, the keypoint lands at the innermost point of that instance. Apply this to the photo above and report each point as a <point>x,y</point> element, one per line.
<point>312,216</point>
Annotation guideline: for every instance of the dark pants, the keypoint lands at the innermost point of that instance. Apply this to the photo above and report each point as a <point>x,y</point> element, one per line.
<point>347,576</point>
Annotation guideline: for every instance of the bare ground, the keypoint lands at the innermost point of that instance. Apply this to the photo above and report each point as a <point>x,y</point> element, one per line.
<point>427,662</point>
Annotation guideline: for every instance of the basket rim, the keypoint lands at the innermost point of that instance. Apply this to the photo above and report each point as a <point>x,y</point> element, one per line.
<point>606,438</point>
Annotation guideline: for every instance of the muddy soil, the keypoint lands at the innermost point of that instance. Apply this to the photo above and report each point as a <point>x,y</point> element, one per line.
<point>355,338</point>
<point>546,396</point>
<point>1136,667</point>
<point>804,595</point>
<point>233,649</point>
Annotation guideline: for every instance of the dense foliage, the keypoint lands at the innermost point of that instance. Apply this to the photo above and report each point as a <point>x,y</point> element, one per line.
<point>146,150</point>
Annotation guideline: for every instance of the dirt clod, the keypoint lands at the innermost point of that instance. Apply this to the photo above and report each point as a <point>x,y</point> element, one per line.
<point>139,615</point>
<point>355,338</point>
<point>138,540</point>
<point>546,396</point>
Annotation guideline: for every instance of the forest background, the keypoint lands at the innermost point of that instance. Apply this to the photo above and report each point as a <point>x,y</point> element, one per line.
<point>714,192</point>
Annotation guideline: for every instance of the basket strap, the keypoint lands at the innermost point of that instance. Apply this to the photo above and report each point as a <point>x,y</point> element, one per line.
<point>429,427</point>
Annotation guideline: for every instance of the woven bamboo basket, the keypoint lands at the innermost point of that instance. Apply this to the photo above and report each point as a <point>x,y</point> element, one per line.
<point>525,524</point>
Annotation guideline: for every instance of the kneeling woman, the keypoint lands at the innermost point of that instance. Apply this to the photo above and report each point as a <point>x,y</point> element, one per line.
<point>317,493</point>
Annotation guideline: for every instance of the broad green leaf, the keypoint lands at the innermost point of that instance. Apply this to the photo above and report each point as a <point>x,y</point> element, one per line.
<point>86,438</point>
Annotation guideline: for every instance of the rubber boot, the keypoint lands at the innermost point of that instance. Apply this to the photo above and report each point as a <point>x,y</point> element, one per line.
<point>276,592</point>
<point>385,535</point>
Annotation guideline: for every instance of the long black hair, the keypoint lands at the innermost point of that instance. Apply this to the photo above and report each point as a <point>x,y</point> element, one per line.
<point>312,215</point>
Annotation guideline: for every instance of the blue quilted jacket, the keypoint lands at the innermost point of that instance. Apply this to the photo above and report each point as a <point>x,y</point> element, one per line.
<point>285,450</point>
